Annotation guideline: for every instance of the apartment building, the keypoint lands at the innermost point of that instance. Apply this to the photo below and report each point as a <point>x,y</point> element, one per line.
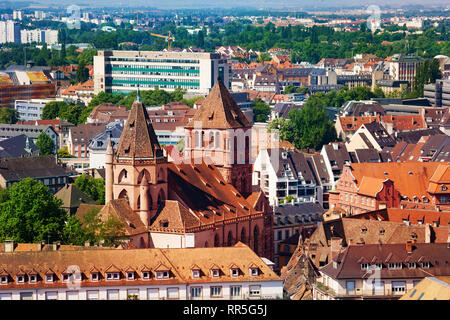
<point>39,36</point>
<point>31,109</point>
<point>143,274</point>
<point>125,71</point>
<point>403,67</point>
<point>9,31</point>
<point>375,271</point>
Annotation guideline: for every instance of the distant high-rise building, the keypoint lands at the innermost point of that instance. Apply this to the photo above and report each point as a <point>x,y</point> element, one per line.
<point>9,31</point>
<point>125,71</point>
<point>39,36</point>
<point>17,14</point>
<point>40,15</point>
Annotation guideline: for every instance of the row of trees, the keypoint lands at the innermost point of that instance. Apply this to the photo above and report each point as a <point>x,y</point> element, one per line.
<point>29,213</point>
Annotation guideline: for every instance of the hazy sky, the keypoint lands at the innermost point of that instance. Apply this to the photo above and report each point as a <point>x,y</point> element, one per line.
<point>173,4</point>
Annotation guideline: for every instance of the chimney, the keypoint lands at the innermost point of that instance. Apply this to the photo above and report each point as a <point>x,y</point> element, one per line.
<point>427,233</point>
<point>56,245</point>
<point>9,245</point>
<point>40,245</point>
<point>336,245</point>
<point>409,247</point>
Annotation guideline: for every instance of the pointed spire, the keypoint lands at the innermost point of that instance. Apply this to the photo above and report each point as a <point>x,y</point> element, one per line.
<point>109,148</point>
<point>219,110</point>
<point>138,96</point>
<point>138,139</point>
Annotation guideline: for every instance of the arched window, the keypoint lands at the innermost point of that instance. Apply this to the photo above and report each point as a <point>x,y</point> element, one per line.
<point>247,149</point>
<point>206,244</point>
<point>255,239</point>
<point>123,175</point>
<point>230,239</point>
<point>202,143</point>
<point>197,139</point>
<point>124,195</point>
<point>141,175</point>
<point>161,175</point>
<point>161,197</point>
<point>211,140</point>
<point>216,240</point>
<point>235,147</point>
<point>243,235</point>
<point>138,202</point>
<point>217,140</point>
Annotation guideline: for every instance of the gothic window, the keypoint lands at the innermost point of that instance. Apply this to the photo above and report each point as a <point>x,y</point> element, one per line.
<point>243,236</point>
<point>123,195</point>
<point>197,137</point>
<point>123,175</point>
<point>211,140</point>
<point>141,175</point>
<point>255,239</point>
<point>230,239</point>
<point>216,240</point>
<point>217,140</point>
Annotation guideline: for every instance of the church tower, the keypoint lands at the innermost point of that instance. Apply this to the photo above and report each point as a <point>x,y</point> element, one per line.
<point>220,132</point>
<point>137,171</point>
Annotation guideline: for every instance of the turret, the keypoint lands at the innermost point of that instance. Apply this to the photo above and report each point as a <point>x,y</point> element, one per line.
<point>109,176</point>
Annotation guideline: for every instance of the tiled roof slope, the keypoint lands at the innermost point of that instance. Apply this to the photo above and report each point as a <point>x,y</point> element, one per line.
<point>201,188</point>
<point>72,197</point>
<point>138,137</point>
<point>178,261</point>
<point>42,166</point>
<point>219,111</point>
<point>349,261</point>
<point>410,178</point>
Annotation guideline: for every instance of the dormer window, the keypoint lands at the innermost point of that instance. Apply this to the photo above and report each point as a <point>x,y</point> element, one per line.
<point>411,265</point>
<point>425,264</point>
<point>112,276</point>
<point>395,265</point>
<point>20,279</point>
<point>234,272</point>
<point>48,278</point>
<point>130,275</point>
<point>94,276</point>
<point>195,274</point>
<point>65,277</point>
<point>215,273</point>
<point>377,266</point>
<point>254,272</point>
<point>33,278</point>
<point>162,275</point>
<point>145,275</point>
<point>4,279</point>
<point>364,266</point>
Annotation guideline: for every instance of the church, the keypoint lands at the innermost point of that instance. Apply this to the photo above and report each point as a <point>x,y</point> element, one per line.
<point>206,200</point>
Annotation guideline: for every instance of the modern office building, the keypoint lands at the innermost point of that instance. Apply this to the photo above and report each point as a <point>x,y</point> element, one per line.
<point>31,109</point>
<point>125,71</point>
<point>403,67</point>
<point>438,93</point>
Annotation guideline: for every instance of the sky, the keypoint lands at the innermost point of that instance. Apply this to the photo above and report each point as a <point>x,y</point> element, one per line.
<point>297,4</point>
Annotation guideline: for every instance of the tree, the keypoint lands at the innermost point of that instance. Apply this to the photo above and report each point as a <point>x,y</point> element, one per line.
<point>82,73</point>
<point>261,111</point>
<point>427,73</point>
<point>53,109</point>
<point>93,187</point>
<point>30,213</point>
<point>64,153</point>
<point>264,57</point>
<point>45,144</point>
<point>93,228</point>
<point>9,115</point>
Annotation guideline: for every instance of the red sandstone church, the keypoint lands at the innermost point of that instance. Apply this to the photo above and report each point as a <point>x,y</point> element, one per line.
<point>206,201</point>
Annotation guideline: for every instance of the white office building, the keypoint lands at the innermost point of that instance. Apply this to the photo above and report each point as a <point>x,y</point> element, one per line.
<point>31,109</point>
<point>39,36</point>
<point>125,71</point>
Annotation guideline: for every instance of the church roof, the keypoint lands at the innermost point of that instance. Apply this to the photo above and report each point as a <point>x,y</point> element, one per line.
<point>138,138</point>
<point>219,111</point>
